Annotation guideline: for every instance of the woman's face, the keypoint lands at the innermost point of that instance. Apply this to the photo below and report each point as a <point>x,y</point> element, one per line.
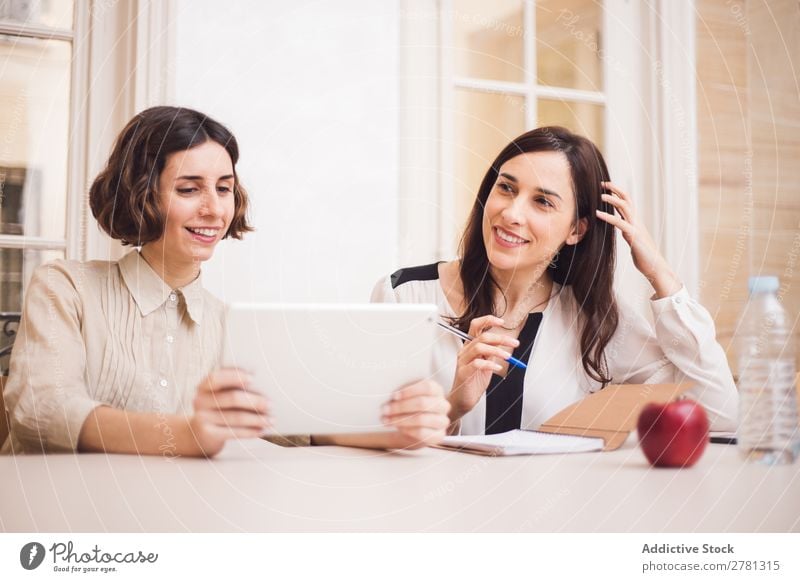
<point>195,192</point>
<point>530,212</point>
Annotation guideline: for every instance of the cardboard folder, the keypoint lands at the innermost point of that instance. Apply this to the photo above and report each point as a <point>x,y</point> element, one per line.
<point>612,412</point>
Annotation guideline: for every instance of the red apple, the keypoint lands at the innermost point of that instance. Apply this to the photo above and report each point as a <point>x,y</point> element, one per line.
<point>673,434</point>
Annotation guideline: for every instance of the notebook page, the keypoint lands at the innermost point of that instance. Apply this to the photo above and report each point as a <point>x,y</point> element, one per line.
<point>524,442</point>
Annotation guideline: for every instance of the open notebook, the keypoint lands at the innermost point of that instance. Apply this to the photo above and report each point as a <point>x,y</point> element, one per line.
<point>600,421</point>
<point>522,442</point>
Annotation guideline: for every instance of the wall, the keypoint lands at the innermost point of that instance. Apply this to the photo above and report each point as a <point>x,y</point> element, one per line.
<point>311,91</point>
<point>749,116</point>
<point>774,85</point>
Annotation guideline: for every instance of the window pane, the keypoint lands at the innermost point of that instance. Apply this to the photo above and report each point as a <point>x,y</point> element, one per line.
<point>568,41</point>
<point>34,121</point>
<point>583,118</point>
<point>52,13</point>
<point>488,38</point>
<point>484,124</point>
<point>16,268</point>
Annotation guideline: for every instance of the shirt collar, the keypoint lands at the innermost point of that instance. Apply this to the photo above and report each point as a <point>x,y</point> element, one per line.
<point>193,294</point>
<point>150,292</point>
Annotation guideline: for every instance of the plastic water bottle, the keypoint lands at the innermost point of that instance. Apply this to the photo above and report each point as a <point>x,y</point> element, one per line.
<point>768,425</point>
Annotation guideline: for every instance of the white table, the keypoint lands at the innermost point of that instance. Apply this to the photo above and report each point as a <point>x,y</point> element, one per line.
<point>255,486</point>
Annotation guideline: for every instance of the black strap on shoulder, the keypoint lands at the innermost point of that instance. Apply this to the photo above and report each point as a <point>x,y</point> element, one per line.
<point>504,395</point>
<point>422,273</point>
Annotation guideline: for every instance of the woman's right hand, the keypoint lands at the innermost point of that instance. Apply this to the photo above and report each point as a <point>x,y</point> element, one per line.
<point>227,406</point>
<point>477,361</point>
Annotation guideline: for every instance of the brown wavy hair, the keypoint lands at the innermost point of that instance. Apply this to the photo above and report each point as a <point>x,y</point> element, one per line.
<point>124,196</point>
<point>586,267</point>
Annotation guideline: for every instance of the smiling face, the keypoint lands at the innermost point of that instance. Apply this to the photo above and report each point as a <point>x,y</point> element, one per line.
<point>530,213</point>
<point>195,192</point>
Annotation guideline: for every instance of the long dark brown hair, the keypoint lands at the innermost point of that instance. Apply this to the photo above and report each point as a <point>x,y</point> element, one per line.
<point>587,267</point>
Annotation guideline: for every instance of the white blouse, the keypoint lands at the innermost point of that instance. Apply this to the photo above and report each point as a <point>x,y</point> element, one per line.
<point>682,347</point>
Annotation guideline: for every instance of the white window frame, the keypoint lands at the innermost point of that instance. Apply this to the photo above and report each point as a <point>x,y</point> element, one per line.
<point>672,37</point>
<point>70,244</point>
<point>131,42</point>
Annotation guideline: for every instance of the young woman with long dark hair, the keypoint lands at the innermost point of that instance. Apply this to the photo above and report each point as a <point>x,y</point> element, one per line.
<point>124,356</point>
<point>534,278</point>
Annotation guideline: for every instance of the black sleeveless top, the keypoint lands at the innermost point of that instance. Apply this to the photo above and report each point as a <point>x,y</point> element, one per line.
<point>504,395</point>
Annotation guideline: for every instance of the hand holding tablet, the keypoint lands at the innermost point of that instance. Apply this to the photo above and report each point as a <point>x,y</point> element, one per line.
<point>227,405</point>
<point>419,413</point>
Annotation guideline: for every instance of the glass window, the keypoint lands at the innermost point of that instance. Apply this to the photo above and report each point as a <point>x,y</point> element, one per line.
<point>488,38</point>
<point>484,124</point>
<point>36,75</point>
<point>16,268</point>
<point>503,87</point>
<point>582,118</point>
<point>34,122</point>
<point>46,13</point>
<point>568,37</point>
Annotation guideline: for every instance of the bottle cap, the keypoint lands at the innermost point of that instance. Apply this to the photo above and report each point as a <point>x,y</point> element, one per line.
<point>768,284</point>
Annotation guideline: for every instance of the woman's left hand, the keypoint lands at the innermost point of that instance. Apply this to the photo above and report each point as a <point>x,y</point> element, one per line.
<point>419,413</point>
<point>646,256</point>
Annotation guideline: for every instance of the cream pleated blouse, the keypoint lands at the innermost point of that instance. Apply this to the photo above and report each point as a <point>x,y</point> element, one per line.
<point>106,333</point>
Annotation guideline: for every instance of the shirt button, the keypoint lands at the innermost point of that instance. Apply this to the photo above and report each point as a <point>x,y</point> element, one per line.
<point>163,383</point>
<point>678,299</point>
<point>170,339</point>
<point>173,297</point>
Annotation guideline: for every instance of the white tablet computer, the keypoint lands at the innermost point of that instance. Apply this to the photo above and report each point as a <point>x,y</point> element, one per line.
<point>329,368</point>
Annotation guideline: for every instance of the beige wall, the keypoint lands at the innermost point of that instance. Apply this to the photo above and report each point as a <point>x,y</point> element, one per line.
<point>748,54</point>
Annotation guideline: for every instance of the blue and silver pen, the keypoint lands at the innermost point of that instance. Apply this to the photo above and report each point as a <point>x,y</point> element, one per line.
<point>465,336</point>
